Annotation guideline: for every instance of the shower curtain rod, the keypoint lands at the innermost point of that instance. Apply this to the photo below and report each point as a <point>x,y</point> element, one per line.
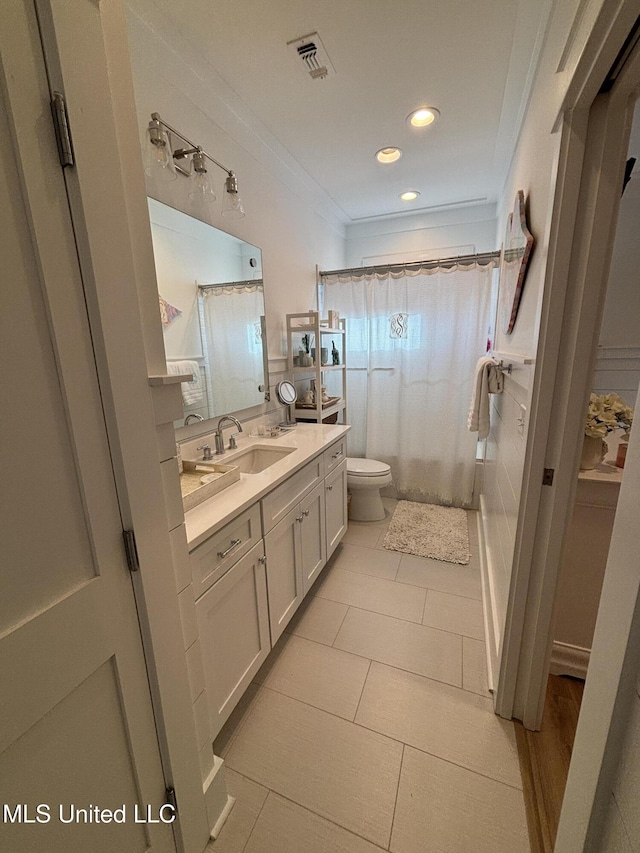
<point>481,257</point>
<point>248,282</point>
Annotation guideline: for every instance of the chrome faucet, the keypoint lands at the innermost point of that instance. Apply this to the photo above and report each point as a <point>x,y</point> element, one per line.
<point>195,417</point>
<point>218,433</point>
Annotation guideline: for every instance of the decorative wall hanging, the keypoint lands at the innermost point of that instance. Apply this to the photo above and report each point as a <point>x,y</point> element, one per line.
<point>168,312</point>
<point>518,242</point>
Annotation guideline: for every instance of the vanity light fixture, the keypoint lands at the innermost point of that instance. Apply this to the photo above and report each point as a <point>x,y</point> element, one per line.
<point>163,160</point>
<point>423,116</point>
<point>409,195</point>
<point>388,155</point>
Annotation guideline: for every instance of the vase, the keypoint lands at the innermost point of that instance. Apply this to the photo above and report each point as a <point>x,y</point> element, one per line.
<point>594,449</point>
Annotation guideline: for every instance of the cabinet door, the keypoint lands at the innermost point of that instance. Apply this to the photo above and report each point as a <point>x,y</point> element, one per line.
<point>313,541</point>
<point>335,496</point>
<point>284,571</point>
<point>233,622</point>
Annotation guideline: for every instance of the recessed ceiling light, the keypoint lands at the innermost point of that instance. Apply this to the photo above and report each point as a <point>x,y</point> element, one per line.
<point>423,116</point>
<point>388,155</point>
<point>410,195</point>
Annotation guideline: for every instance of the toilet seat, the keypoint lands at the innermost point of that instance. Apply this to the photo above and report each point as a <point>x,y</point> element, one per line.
<point>367,467</point>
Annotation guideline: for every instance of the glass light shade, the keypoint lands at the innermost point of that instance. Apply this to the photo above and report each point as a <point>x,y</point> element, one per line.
<point>409,195</point>
<point>232,206</point>
<point>202,190</point>
<point>158,157</point>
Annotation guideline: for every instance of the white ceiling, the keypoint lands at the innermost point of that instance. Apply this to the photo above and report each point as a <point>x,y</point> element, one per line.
<point>472,59</point>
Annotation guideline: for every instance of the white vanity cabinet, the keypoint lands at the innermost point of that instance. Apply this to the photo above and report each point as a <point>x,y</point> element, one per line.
<point>233,624</point>
<point>251,574</point>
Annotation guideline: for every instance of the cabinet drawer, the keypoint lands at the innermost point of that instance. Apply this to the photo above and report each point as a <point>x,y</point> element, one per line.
<point>334,455</point>
<point>214,557</point>
<point>276,505</point>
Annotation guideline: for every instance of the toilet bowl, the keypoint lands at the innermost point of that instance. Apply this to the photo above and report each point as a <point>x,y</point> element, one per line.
<point>365,478</point>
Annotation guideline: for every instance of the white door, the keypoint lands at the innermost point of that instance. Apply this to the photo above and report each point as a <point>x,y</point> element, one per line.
<point>77,734</point>
<point>233,625</point>
<point>313,539</point>
<point>284,571</point>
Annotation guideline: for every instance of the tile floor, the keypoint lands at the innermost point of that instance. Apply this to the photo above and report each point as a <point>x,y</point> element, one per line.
<point>370,726</point>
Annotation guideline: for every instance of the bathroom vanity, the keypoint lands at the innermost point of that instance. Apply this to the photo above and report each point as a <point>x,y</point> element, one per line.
<point>255,550</point>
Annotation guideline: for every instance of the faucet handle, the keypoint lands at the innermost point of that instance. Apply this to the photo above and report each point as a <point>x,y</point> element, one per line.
<point>206,452</point>
<point>232,440</point>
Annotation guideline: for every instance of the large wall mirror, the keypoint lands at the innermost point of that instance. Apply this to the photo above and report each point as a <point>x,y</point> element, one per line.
<point>212,309</point>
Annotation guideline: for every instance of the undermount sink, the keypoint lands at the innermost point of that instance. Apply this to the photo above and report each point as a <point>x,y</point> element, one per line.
<point>258,458</point>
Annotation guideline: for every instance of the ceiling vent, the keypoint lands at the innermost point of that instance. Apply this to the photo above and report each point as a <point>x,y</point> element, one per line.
<point>311,53</point>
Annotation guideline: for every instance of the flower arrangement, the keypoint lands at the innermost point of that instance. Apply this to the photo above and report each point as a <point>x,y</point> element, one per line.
<point>606,413</point>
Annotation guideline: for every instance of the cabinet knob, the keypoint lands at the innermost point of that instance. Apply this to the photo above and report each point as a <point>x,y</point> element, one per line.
<point>306,512</point>
<point>329,488</point>
<point>300,518</point>
<point>262,559</point>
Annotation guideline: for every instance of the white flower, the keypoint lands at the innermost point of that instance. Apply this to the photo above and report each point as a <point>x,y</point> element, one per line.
<point>605,413</point>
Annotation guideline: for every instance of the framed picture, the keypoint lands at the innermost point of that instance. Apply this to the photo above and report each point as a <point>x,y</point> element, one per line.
<point>518,242</point>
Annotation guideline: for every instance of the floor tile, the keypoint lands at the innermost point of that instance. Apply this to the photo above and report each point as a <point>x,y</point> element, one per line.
<point>380,564</point>
<point>322,676</point>
<point>442,807</point>
<point>233,725</point>
<point>376,594</point>
<point>442,720</point>
<point>333,767</point>
<point>365,534</point>
<point>285,827</point>
<point>474,666</point>
<point>454,613</point>
<point>426,651</point>
<point>444,577</point>
<point>250,798</point>
<point>318,619</point>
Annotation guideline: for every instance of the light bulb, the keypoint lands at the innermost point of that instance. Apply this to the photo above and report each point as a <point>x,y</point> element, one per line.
<point>158,159</point>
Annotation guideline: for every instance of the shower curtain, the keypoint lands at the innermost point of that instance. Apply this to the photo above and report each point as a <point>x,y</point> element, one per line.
<point>413,339</point>
<point>232,344</point>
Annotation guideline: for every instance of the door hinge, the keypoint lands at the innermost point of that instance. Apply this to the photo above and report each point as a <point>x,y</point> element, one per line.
<point>547,476</point>
<point>131,550</point>
<point>171,799</point>
<point>63,133</point>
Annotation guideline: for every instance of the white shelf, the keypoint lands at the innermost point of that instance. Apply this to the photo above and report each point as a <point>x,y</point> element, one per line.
<point>308,323</point>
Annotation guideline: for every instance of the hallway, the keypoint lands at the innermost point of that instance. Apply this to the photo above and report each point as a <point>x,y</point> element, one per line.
<point>370,726</point>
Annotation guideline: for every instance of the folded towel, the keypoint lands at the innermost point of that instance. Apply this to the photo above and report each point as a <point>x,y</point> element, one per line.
<point>488,380</point>
<point>191,391</point>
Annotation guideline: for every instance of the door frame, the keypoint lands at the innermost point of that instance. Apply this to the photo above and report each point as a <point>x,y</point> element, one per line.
<point>594,132</point>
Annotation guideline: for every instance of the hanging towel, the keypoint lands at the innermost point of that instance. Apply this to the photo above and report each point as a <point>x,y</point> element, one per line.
<point>488,380</point>
<point>191,391</point>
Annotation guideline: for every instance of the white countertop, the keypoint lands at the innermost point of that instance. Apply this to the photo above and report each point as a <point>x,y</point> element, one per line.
<point>309,441</point>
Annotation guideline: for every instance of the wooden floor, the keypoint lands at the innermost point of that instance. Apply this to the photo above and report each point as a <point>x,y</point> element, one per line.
<point>544,760</point>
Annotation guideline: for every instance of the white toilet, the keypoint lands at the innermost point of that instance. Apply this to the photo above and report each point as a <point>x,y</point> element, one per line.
<point>365,478</point>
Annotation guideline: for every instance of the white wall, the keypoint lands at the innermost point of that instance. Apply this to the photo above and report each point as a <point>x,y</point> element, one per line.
<point>189,95</point>
<point>618,364</point>
<point>441,233</point>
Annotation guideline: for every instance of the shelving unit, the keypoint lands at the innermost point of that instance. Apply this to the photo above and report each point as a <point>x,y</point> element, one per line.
<point>310,323</point>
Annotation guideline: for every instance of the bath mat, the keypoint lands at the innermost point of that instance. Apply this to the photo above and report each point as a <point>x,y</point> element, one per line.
<point>427,530</point>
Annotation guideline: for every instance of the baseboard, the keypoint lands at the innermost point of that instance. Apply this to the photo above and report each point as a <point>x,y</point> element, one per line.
<point>218,802</point>
<point>569,660</point>
<point>491,624</point>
